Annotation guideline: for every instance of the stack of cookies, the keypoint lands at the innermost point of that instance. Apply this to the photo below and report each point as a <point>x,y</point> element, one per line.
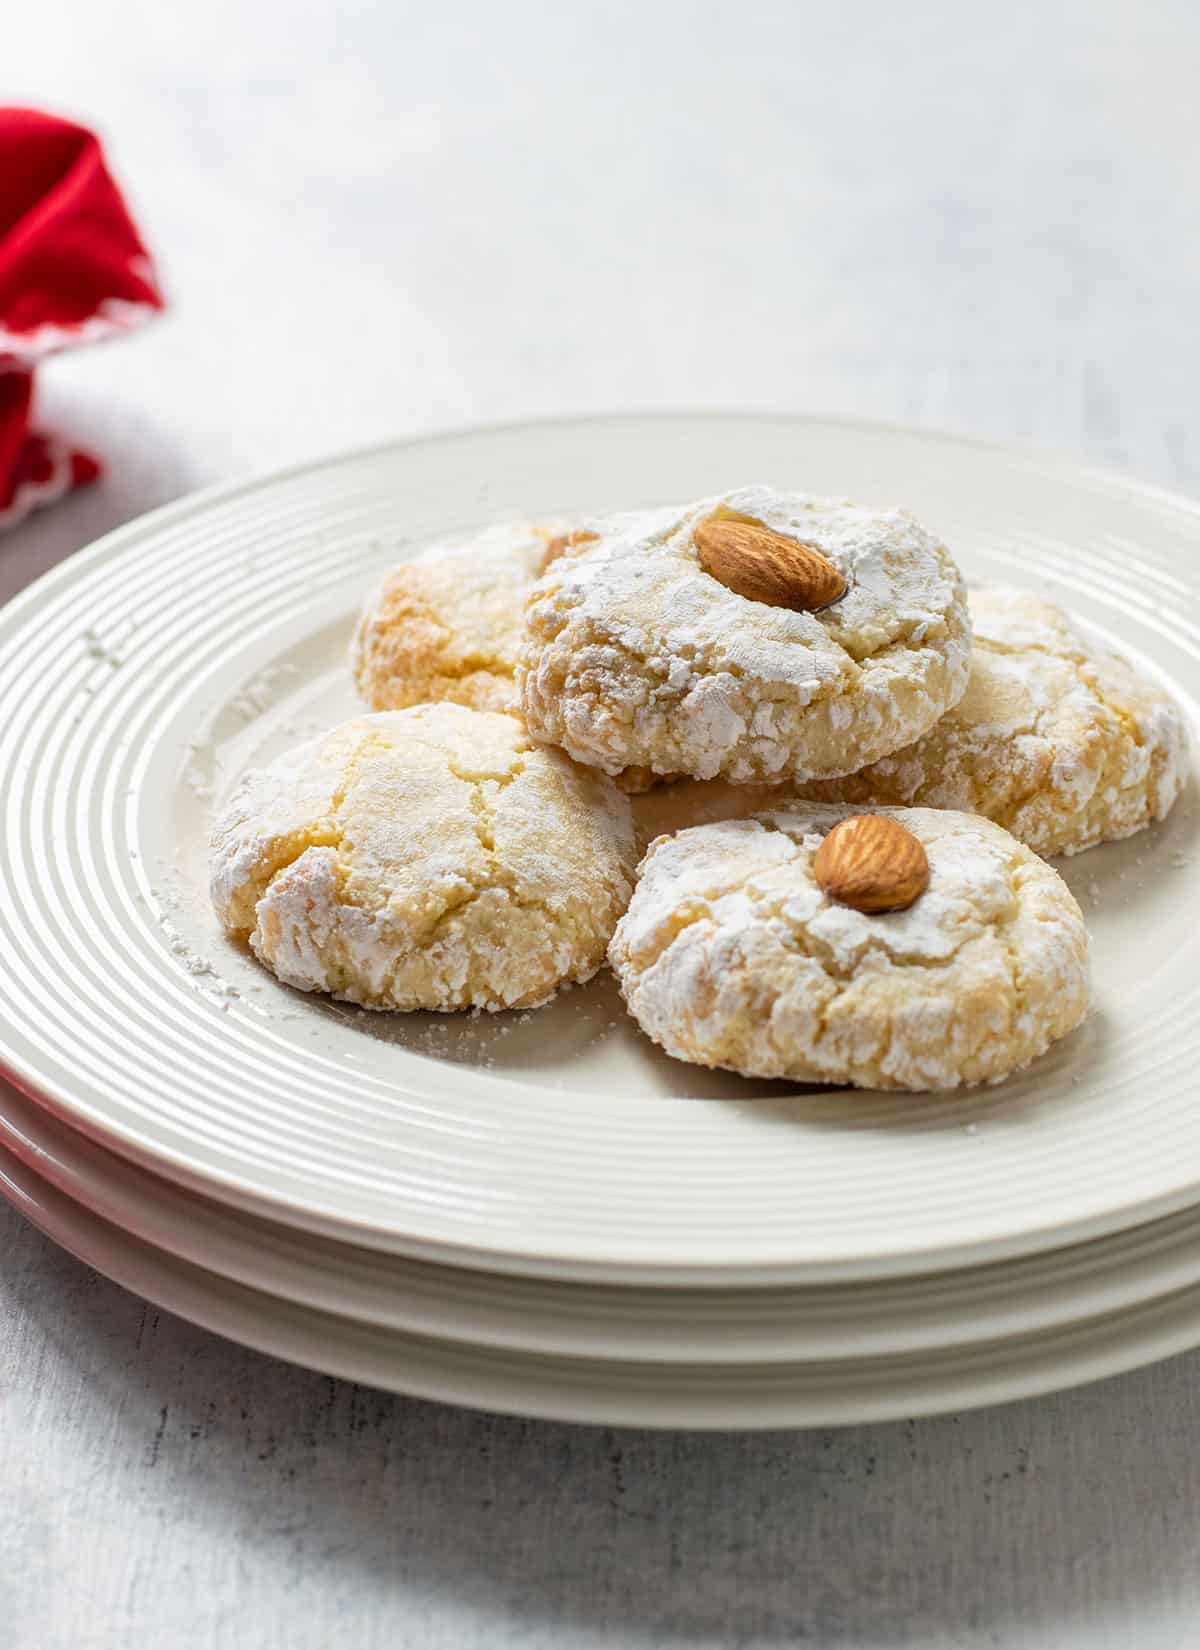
<point>856,770</point>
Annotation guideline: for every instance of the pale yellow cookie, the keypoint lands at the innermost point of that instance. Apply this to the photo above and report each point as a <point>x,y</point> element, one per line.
<point>731,955</point>
<point>448,624</point>
<point>1057,738</point>
<point>431,858</point>
<point>635,655</point>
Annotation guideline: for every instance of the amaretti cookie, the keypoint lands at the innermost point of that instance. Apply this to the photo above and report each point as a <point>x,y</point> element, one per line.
<point>430,858</point>
<point>1057,738</point>
<point>913,950</point>
<point>447,625</point>
<point>757,635</point>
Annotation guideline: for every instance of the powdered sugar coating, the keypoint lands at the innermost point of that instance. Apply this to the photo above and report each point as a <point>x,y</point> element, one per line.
<point>731,955</point>
<point>448,624</point>
<point>635,656</point>
<point>1057,738</point>
<point>431,858</point>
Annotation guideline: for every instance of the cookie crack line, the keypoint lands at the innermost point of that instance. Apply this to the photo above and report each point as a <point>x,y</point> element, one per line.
<point>375,744</point>
<point>322,832</point>
<point>843,967</point>
<point>496,876</point>
<point>1006,934</point>
<point>1085,674</point>
<point>519,900</point>
<point>701,908</point>
<point>1128,723</point>
<point>872,943</point>
<point>705,658</point>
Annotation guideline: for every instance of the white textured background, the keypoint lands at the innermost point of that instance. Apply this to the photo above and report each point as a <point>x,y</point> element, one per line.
<point>377,218</point>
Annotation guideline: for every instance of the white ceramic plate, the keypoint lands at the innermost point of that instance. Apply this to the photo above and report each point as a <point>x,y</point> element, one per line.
<point>612,1391</point>
<point>889,1318</point>
<point>138,679</point>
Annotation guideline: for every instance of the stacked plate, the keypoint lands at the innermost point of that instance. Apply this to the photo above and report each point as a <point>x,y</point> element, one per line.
<point>541,1212</point>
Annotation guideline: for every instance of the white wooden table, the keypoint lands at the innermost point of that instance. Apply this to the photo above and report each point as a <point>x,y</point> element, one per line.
<point>377,218</point>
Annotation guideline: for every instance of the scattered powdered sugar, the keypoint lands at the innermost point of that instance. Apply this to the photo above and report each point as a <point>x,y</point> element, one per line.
<point>198,967</point>
<point>96,647</point>
<point>221,992</point>
<point>260,692</point>
<point>197,775</point>
<point>198,783</point>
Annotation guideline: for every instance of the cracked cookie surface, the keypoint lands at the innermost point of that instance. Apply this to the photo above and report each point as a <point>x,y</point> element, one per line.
<point>635,656</point>
<point>730,955</point>
<point>1057,738</point>
<point>430,858</point>
<point>448,624</point>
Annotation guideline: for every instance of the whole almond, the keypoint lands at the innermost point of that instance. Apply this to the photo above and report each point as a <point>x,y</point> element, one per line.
<point>872,863</point>
<point>765,566</point>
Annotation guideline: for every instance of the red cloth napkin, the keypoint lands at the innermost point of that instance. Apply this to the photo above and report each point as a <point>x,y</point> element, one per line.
<point>73,270</point>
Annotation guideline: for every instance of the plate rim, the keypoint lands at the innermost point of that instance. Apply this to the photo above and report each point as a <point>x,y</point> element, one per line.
<point>129,1142</point>
<point>221,492</point>
<point>571,1321</point>
<point>573,1390</point>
